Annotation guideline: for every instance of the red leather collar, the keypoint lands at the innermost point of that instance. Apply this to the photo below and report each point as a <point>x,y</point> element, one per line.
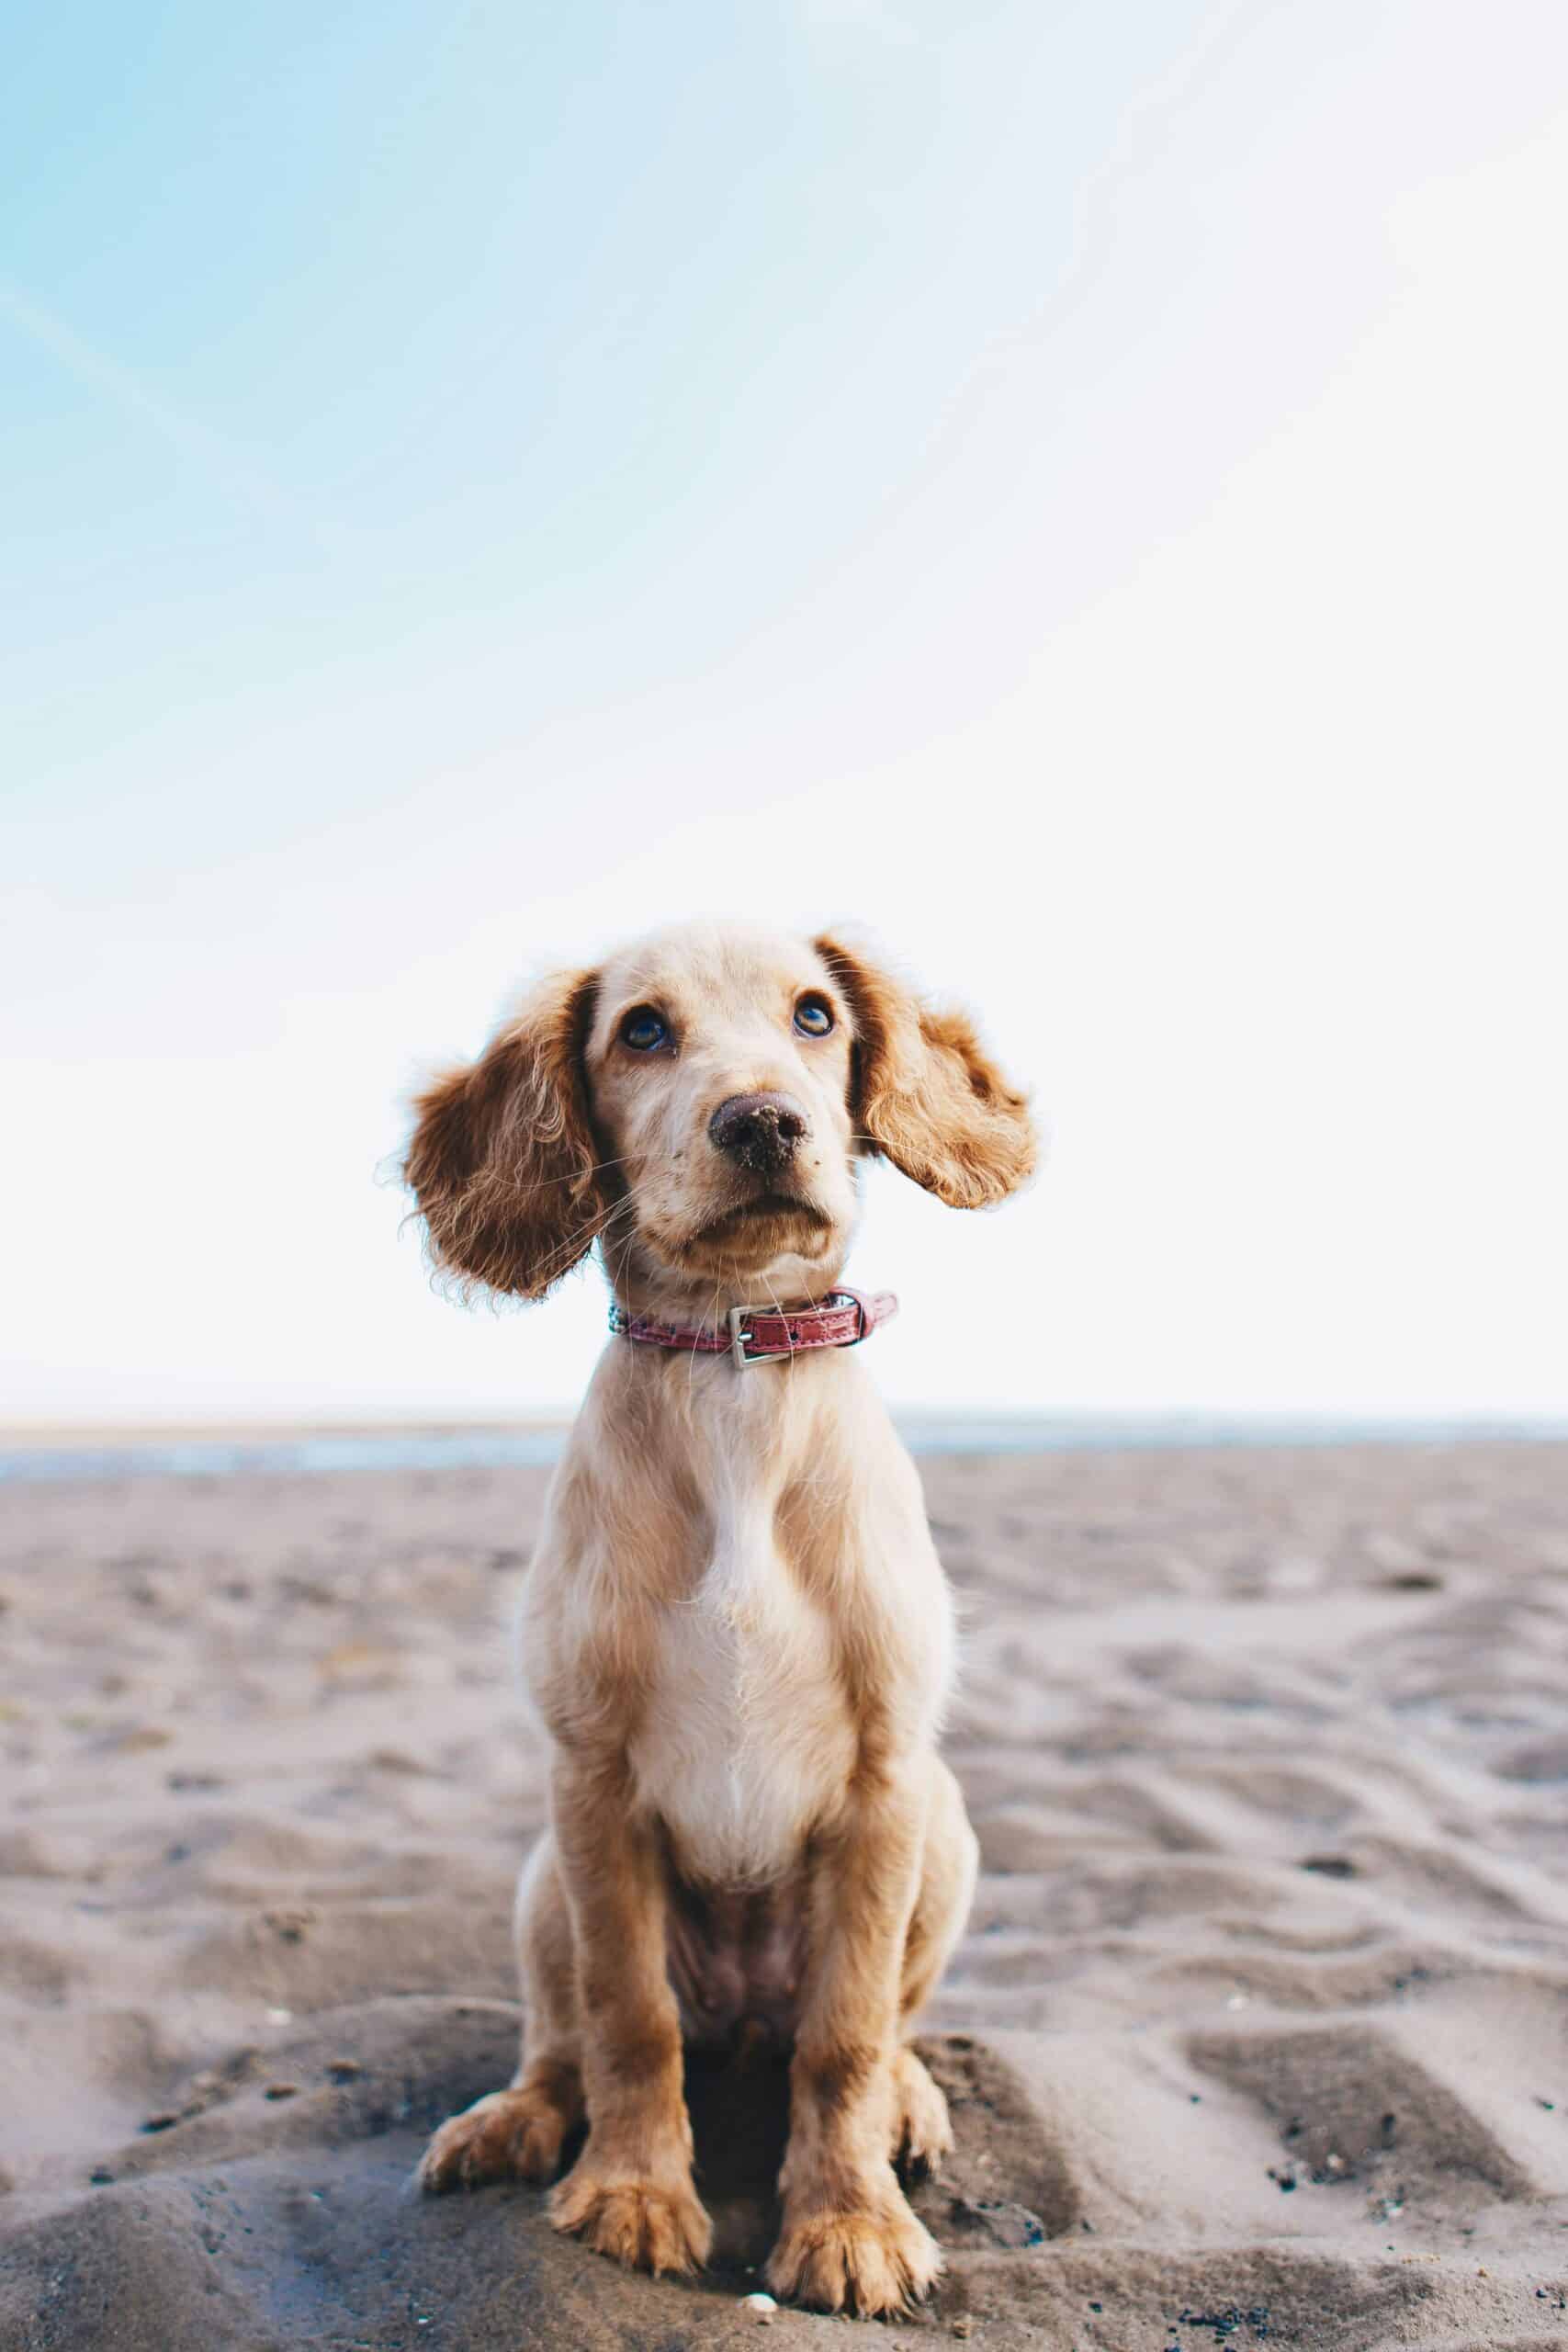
<point>765,1334</point>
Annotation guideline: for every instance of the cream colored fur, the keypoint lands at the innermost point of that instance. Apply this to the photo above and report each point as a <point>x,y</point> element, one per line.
<point>735,1628</point>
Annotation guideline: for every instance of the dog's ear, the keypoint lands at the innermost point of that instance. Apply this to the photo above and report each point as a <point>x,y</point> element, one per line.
<point>926,1095</point>
<point>502,1160</point>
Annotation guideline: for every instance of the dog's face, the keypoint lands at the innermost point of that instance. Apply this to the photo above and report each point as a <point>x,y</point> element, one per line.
<point>699,1104</point>
<point>719,1068</point>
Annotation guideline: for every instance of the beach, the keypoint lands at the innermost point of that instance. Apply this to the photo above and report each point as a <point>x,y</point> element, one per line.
<point>1258,2035</point>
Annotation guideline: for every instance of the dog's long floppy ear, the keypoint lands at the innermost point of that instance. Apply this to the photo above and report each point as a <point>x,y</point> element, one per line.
<point>926,1094</point>
<point>502,1160</point>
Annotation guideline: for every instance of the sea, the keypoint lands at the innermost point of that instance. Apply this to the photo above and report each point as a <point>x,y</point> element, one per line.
<point>25,1460</point>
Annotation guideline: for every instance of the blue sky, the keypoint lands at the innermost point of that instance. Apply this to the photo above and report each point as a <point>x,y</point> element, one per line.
<point>1080,490</point>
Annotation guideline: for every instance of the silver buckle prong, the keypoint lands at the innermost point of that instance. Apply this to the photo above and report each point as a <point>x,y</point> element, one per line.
<point>738,1335</point>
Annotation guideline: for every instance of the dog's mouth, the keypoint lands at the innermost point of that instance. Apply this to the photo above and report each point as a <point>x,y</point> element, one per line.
<point>766,1208</point>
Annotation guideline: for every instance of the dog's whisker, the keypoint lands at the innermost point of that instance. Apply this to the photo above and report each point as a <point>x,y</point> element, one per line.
<point>593,1229</point>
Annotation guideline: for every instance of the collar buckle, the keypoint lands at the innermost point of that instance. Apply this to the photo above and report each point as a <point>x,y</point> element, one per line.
<point>738,1335</point>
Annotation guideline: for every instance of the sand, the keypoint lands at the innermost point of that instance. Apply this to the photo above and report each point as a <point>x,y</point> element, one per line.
<point>1259,2034</point>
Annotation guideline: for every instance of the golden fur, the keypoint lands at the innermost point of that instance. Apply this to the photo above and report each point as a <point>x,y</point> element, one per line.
<point>734,1627</point>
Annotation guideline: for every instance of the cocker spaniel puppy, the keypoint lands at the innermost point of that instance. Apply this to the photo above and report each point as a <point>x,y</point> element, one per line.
<point>734,1627</point>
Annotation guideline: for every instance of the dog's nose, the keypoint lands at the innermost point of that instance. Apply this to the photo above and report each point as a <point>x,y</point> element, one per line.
<point>760,1131</point>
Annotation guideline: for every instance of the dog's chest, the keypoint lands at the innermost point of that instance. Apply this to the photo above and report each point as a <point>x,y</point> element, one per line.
<point>746,1738</point>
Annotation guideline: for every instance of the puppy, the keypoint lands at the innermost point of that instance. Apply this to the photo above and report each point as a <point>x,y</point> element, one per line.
<point>735,1628</point>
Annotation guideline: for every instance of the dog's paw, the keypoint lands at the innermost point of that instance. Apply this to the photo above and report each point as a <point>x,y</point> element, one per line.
<point>650,2228</point>
<point>876,2260</point>
<point>923,2135</point>
<point>511,2135</point>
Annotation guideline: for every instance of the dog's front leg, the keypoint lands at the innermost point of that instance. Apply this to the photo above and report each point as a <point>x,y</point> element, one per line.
<point>631,2192</point>
<point>848,2235</point>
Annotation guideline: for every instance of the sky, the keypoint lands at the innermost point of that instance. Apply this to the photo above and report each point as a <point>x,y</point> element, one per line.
<point>1081,492</point>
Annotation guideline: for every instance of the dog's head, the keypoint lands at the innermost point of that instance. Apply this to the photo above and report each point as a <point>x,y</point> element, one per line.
<point>698,1105</point>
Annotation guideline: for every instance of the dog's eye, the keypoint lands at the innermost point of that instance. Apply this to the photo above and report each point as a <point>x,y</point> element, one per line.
<point>643,1029</point>
<point>813,1016</point>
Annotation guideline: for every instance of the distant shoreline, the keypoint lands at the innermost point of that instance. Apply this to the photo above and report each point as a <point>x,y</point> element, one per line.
<point>59,1453</point>
<point>82,1436</point>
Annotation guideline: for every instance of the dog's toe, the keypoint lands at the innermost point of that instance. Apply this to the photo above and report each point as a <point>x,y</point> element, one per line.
<point>510,2135</point>
<point>877,2262</point>
<point>924,2133</point>
<point>648,2228</point>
